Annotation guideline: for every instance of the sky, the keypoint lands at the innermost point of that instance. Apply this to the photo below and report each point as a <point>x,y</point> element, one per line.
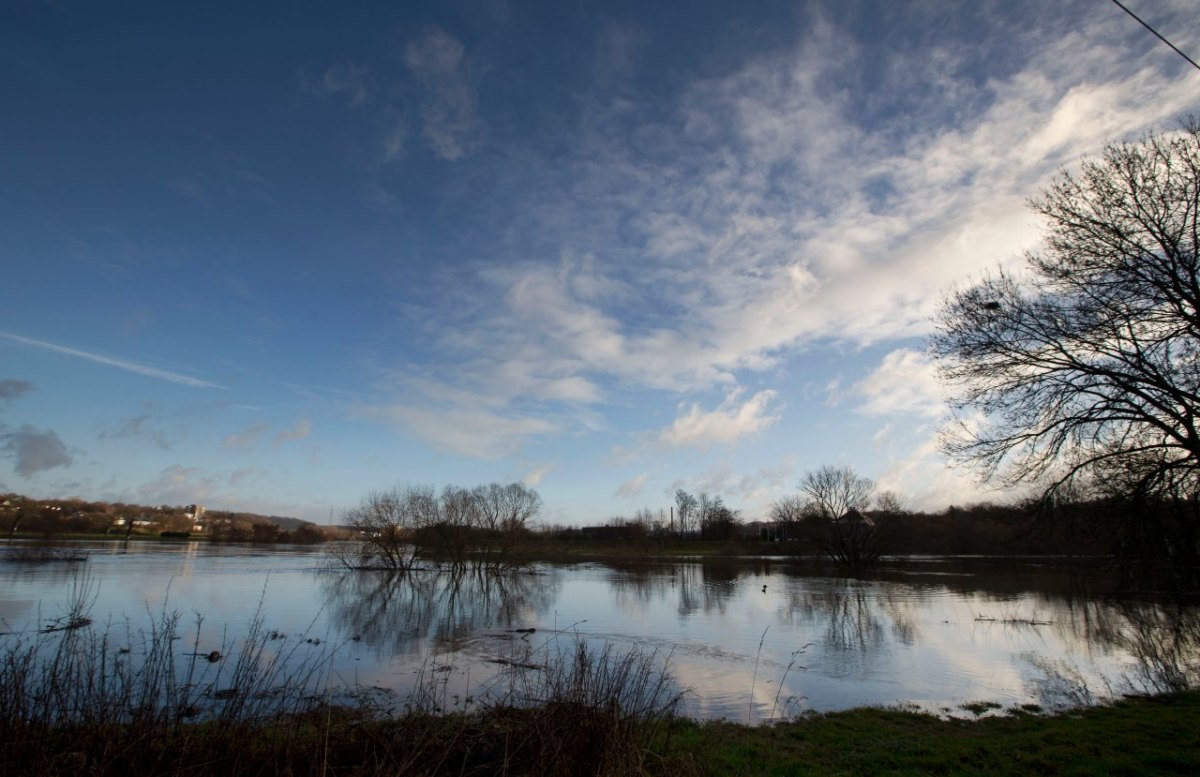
<point>272,257</point>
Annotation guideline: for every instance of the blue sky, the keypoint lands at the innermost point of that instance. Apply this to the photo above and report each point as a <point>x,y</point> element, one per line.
<point>272,258</point>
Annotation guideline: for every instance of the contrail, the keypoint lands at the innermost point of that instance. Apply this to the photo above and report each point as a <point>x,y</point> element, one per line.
<point>140,369</point>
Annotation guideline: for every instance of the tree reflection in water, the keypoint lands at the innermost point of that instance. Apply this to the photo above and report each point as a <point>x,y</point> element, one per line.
<point>1167,644</point>
<point>398,614</point>
<point>863,631</point>
<point>845,610</point>
<point>1164,639</point>
<point>707,588</point>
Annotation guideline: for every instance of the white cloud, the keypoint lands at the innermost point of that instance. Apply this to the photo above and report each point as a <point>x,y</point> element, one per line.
<point>926,481</point>
<point>534,477</point>
<point>780,204</point>
<point>557,316</point>
<point>905,382</point>
<point>726,424</point>
<point>748,492</point>
<point>633,487</point>
<point>129,366</point>
<point>449,117</point>
<point>758,214</point>
<point>476,433</point>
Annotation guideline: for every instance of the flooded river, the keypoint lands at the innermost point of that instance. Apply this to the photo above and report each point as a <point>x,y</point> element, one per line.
<point>748,640</point>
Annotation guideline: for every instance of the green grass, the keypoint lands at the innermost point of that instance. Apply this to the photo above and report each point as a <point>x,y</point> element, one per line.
<point>78,699</point>
<point>1144,735</point>
<point>1148,735</point>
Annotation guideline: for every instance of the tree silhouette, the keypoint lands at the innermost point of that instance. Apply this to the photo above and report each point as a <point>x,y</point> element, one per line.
<point>1081,372</point>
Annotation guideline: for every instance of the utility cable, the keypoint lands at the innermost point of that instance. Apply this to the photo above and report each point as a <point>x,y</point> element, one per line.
<point>1191,61</point>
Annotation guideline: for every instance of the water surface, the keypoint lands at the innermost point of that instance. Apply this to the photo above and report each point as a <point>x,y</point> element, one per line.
<point>749,640</point>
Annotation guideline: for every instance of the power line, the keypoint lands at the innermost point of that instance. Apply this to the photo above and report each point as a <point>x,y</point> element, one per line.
<point>1175,48</point>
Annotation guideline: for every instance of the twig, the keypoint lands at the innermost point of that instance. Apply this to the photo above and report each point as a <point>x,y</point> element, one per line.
<point>754,678</point>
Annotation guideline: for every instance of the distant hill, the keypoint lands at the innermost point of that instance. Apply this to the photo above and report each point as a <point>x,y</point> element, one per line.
<point>288,524</point>
<point>83,514</point>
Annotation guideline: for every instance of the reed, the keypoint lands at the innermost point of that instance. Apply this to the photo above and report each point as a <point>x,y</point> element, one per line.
<point>44,555</point>
<point>116,699</point>
<point>72,694</point>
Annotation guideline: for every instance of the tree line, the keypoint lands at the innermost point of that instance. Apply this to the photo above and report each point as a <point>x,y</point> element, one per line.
<point>397,528</point>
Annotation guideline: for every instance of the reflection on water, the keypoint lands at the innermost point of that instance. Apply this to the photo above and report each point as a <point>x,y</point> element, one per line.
<point>748,638</point>
<point>1163,641</point>
<point>845,612</point>
<point>399,614</point>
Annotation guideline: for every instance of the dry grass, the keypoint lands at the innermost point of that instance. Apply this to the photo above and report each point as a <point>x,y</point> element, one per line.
<point>80,699</point>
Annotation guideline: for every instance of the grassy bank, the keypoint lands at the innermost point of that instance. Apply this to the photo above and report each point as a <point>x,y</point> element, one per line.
<point>79,698</point>
<point>1158,735</point>
<point>1144,735</point>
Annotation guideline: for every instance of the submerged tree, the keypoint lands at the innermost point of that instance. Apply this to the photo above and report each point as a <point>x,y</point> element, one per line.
<point>395,527</point>
<point>836,492</point>
<point>1082,372</point>
<point>386,523</point>
<point>835,515</point>
<point>505,513</point>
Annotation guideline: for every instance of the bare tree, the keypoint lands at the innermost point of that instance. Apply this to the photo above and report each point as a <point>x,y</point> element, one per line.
<point>396,526</point>
<point>521,504</point>
<point>720,522</point>
<point>386,522</point>
<point>705,506</point>
<point>834,515</point>
<point>1084,369</point>
<point>836,492</point>
<point>652,522</point>
<point>788,509</point>
<point>505,512</point>
<point>888,503</point>
<point>460,519</point>
<point>685,506</point>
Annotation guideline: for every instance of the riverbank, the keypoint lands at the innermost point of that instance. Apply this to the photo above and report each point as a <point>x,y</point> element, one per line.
<point>1142,735</point>
<point>168,697</point>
